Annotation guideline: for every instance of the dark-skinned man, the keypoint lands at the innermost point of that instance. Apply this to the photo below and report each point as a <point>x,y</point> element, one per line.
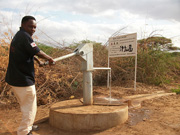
<point>20,72</point>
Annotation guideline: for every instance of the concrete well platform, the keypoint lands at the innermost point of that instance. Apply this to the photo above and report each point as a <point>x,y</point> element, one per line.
<point>73,115</point>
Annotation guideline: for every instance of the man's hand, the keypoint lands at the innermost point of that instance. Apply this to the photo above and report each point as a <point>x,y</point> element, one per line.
<point>51,61</point>
<point>38,61</point>
<point>41,64</point>
<point>43,55</point>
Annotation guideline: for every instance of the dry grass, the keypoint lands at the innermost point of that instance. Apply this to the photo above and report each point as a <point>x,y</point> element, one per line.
<point>4,54</point>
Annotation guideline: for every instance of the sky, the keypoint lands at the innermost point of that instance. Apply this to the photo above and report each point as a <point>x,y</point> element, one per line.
<point>63,22</point>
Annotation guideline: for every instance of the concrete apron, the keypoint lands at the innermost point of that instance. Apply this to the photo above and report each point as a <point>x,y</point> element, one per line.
<point>135,100</point>
<point>72,115</point>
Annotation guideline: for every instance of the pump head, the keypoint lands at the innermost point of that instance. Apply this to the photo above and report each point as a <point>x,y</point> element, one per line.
<point>85,54</point>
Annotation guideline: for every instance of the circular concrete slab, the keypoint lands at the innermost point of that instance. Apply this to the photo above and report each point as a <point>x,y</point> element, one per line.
<point>73,115</point>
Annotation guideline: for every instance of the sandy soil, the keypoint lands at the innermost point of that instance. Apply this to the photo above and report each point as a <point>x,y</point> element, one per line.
<point>159,116</point>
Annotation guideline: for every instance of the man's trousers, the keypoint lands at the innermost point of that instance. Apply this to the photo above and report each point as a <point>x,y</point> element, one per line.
<point>26,97</point>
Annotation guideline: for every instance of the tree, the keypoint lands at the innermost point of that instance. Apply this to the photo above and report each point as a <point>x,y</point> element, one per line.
<point>155,42</point>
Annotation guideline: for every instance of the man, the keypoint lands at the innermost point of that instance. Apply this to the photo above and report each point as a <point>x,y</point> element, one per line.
<point>20,72</point>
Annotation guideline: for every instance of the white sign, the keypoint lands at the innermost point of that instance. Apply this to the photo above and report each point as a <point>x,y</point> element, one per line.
<point>122,46</point>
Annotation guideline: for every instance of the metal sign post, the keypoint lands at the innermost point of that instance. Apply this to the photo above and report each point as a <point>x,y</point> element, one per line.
<point>122,46</point>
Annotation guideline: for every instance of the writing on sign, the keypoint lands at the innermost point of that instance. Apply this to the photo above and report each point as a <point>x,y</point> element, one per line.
<point>121,46</point>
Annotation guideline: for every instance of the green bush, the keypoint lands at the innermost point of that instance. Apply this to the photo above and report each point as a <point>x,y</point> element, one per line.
<point>157,67</point>
<point>47,49</point>
<point>177,91</point>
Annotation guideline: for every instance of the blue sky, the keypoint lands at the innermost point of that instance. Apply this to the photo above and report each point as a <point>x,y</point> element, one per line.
<point>61,22</point>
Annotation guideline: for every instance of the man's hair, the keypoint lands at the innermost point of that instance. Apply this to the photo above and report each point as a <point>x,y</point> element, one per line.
<point>27,18</point>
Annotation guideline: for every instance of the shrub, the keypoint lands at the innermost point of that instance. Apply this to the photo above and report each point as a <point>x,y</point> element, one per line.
<point>177,91</point>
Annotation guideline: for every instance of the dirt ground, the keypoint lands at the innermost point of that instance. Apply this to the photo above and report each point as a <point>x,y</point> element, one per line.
<point>159,116</point>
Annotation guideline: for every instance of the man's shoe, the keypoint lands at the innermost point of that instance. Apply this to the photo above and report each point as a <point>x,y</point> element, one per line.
<point>30,133</point>
<point>35,128</point>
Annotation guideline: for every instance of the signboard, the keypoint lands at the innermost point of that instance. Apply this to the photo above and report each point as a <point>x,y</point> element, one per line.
<point>121,46</point>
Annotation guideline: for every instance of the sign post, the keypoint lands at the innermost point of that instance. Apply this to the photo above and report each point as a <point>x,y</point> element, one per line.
<point>123,46</point>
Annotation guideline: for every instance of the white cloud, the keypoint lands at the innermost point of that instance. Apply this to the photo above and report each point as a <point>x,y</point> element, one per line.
<point>75,31</point>
<point>109,14</point>
<point>159,9</point>
<point>95,20</point>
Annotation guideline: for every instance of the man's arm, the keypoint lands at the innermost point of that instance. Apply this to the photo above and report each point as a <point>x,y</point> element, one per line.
<point>43,55</point>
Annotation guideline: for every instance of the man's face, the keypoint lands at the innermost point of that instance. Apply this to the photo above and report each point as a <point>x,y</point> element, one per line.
<point>30,26</point>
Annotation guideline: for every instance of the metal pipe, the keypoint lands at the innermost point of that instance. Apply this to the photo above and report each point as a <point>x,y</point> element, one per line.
<point>102,68</point>
<point>87,88</point>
